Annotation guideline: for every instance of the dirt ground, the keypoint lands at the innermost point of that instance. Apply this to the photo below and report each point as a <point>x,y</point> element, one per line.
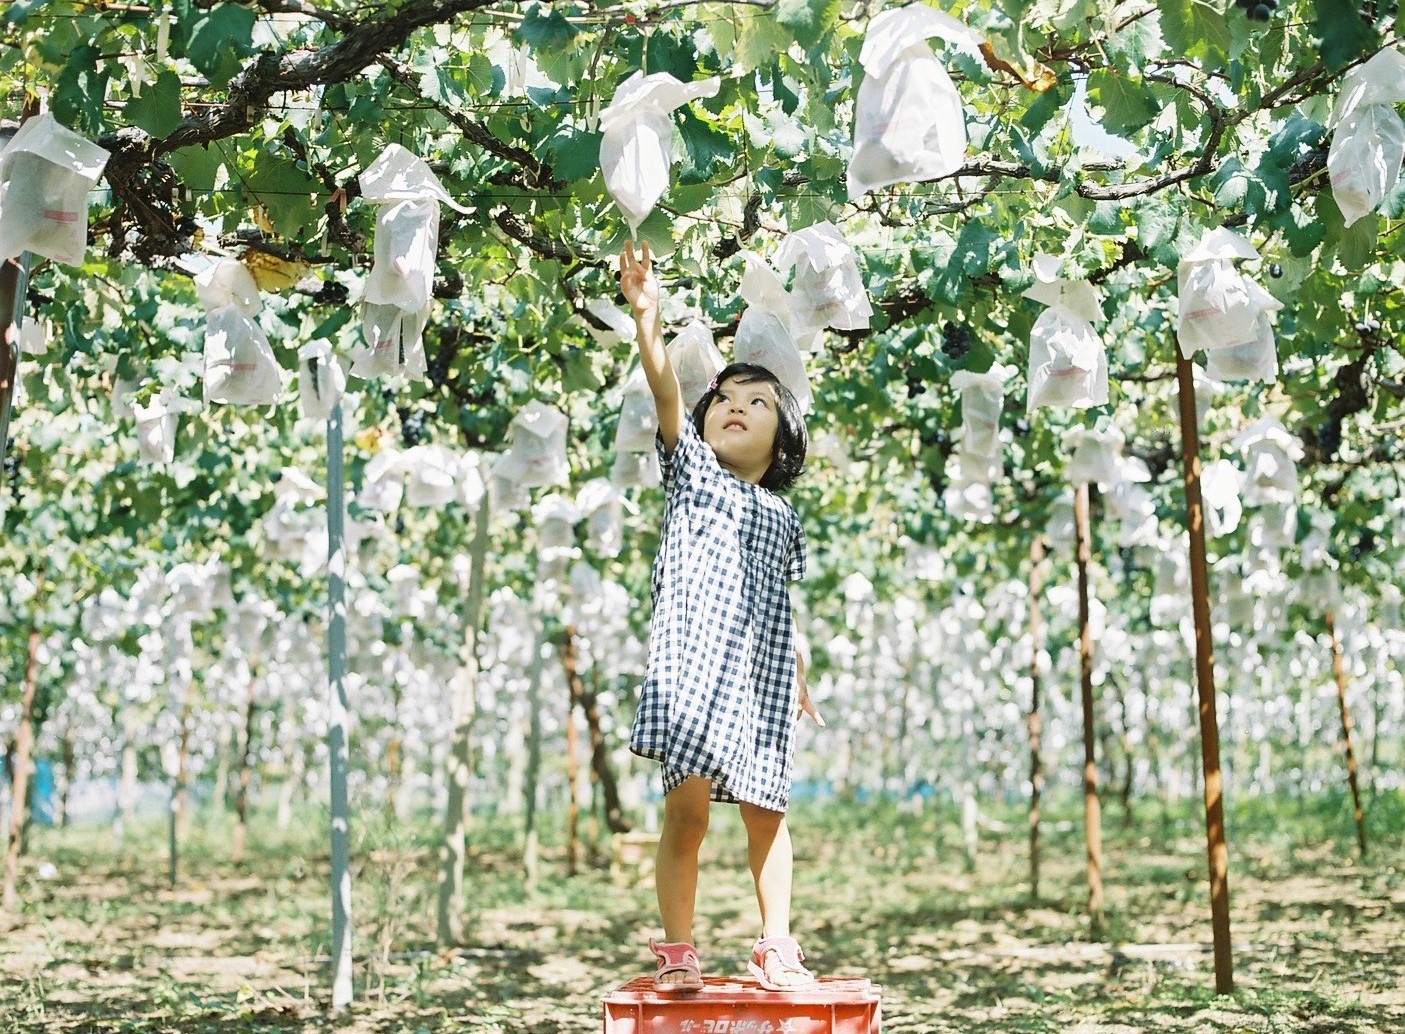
<point>103,945</point>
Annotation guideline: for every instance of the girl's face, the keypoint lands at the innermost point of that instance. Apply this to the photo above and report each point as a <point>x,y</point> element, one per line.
<point>741,425</point>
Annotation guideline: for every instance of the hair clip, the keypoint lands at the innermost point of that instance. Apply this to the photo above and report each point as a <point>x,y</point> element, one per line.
<point>712,384</point>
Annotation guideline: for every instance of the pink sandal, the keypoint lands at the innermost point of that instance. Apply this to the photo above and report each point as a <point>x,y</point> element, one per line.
<point>676,957</point>
<point>788,951</point>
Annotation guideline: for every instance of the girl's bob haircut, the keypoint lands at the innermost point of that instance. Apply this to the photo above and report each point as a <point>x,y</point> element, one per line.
<point>792,440</point>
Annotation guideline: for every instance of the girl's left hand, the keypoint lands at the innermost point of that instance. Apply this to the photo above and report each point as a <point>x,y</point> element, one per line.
<point>807,706</point>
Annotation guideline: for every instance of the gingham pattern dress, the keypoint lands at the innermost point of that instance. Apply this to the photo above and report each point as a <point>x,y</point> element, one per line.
<point>719,694</point>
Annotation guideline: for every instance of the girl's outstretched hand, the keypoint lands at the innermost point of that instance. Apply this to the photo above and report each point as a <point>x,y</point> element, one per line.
<point>637,282</point>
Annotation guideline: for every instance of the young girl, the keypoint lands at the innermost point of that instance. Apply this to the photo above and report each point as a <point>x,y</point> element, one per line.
<point>724,686</point>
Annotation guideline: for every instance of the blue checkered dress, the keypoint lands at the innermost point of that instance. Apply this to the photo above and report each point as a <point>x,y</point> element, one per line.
<point>719,694</point>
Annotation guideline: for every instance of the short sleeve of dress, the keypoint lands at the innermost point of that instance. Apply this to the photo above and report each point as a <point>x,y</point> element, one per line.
<point>795,569</point>
<point>686,457</point>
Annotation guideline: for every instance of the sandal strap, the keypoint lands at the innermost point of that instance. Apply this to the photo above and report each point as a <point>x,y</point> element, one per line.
<point>674,955</point>
<point>787,949</point>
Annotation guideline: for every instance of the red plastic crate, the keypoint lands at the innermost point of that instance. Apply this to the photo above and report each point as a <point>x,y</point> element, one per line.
<point>835,1006</point>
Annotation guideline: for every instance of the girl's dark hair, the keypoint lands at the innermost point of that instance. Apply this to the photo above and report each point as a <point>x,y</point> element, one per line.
<point>792,440</point>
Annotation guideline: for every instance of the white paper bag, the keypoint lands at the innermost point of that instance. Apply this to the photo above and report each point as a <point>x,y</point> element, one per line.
<point>1364,160</point>
<point>1170,594</point>
<point>1273,525</point>
<point>46,171</point>
<point>1097,456</point>
<point>239,364</point>
<point>394,342</point>
<point>636,470</point>
<point>1219,488</point>
<point>537,449</point>
<point>1219,306</point>
<point>407,236</point>
<point>982,401</point>
<point>696,360</point>
<point>555,518</point>
<point>1067,362</point>
<point>505,493</point>
<point>382,482</point>
<point>1256,360</point>
<point>639,418</point>
<point>1135,510</point>
<point>1060,528</point>
<point>431,472</point>
<point>1067,359</point>
<point>157,422</point>
<point>969,501</point>
<point>472,479</point>
<point>828,291</point>
<point>1368,140</point>
<point>1270,456</point>
<point>909,124</point>
<point>321,380</point>
<point>764,338</point>
<point>602,504</point>
<point>636,148</point>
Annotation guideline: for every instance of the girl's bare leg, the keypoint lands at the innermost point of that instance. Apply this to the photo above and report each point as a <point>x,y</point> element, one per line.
<point>685,811</point>
<point>769,853</point>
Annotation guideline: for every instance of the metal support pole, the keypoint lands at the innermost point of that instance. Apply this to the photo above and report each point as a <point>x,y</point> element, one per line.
<point>337,751</point>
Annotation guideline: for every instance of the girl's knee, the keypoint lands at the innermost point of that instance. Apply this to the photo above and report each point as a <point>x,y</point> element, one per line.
<point>761,820</point>
<point>685,811</point>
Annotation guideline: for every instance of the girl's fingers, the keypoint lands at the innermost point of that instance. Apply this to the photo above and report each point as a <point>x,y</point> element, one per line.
<point>629,250</point>
<point>646,256</point>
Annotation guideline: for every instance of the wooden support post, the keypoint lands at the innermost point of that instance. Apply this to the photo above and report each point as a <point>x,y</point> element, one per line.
<point>1340,674</point>
<point>1205,681</point>
<point>19,779</point>
<point>573,765</point>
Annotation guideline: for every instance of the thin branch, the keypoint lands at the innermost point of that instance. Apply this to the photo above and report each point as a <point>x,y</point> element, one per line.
<point>530,171</point>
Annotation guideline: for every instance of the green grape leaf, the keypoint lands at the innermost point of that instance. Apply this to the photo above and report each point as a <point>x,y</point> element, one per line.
<point>544,29</point>
<point>705,149</point>
<point>158,109</point>
<point>1127,105</point>
<point>80,91</point>
<point>1196,29</point>
<point>219,39</point>
<point>808,20</point>
<point>574,155</point>
<point>760,39</point>
<point>1345,37</point>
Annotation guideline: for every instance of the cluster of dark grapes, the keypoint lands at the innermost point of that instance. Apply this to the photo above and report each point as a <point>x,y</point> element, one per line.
<point>1308,165</point>
<point>1275,271</point>
<point>332,292</point>
<point>411,426</point>
<point>1257,10</point>
<point>1363,547</point>
<point>915,386</point>
<point>439,366</point>
<point>1329,439</point>
<point>956,341</point>
<point>1369,325</point>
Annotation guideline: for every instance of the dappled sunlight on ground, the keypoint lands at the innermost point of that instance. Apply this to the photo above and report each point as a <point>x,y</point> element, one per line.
<point>1319,939</point>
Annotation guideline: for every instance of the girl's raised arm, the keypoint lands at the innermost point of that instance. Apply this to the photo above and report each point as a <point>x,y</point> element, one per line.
<point>641,290</point>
